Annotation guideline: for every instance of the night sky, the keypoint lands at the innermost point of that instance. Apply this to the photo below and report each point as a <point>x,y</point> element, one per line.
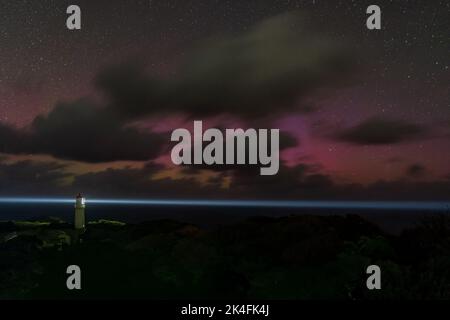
<point>363,114</point>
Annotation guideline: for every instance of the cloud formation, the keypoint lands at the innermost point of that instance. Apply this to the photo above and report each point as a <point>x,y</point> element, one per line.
<point>263,71</point>
<point>416,170</point>
<point>29,177</point>
<point>298,182</point>
<point>81,131</point>
<point>252,75</point>
<point>378,131</point>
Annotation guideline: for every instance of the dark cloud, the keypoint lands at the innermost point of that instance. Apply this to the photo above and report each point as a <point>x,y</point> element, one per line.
<point>287,141</point>
<point>377,131</point>
<point>132,91</point>
<point>263,71</point>
<point>416,170</point>
<point>31,177</point>
<point>84,132</point>
<point>297,182</point>
<point>135,182</point>
<point>291,182</point>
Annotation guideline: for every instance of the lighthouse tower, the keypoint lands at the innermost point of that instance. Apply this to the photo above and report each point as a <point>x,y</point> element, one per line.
<point>79,212</point>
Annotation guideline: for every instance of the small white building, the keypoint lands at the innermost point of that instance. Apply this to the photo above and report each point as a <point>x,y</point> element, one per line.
<point>80,220</point>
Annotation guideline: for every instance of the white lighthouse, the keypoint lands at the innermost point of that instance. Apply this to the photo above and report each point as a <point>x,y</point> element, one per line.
<point>79,212</point>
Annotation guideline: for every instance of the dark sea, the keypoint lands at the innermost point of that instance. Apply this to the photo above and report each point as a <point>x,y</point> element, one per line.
<point>392,221</point>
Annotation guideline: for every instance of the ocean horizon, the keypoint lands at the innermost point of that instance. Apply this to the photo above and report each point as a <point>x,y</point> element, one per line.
<point>393,216</point>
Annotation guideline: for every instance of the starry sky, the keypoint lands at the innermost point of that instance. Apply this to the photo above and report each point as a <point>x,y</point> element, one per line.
<point>363,114</point>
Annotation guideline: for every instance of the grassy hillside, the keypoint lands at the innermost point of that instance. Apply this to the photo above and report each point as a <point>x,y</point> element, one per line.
<point>296,257</point>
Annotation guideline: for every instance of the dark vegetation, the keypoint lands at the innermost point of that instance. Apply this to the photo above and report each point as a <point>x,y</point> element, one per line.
<point>295,257</point>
